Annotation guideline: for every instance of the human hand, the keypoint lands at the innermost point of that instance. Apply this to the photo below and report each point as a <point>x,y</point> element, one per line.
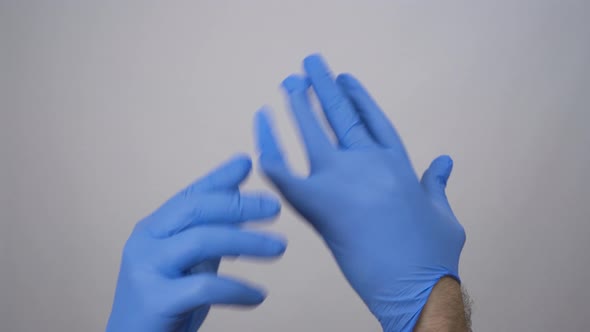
<point>392,235</point>
<point>168,276</point>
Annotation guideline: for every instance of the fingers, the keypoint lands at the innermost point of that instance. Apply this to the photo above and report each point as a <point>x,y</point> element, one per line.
<point>190,208</point>
<point>190,292</point>
<point>314,138</point>
<point>191,247</point>
<point>340,113</point>
<point>434,180</point>
<point>375,120</point>
<point>272,161</point>
<point>228,176</point>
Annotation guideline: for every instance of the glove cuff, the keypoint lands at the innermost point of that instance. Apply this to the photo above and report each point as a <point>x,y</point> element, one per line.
<point>401,313</point>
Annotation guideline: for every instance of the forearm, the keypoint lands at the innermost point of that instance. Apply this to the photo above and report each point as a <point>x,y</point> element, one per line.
<point>445,309</point>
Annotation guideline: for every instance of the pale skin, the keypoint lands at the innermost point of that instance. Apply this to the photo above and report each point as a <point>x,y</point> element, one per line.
<point>445,309</point>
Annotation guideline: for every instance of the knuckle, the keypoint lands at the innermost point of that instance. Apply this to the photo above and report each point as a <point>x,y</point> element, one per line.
<point>461,234</point>
<point>336,102</point>
<point>351,133</point>
<point>137,254</point>
<point>130,249</point>
<point>189,191</point>
<point>236,205</point>
<point>196,213</point>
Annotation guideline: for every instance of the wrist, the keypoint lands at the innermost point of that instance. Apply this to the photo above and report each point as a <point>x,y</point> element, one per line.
<point>445,308</point>
<point>431,306</point>
<point>401,311</point>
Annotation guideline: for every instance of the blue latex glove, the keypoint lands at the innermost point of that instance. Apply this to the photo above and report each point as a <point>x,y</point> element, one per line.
<point>392,235</point>
<point>168,277</point>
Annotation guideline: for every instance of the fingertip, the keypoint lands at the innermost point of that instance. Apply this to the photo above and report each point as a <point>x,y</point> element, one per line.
<point>445,163</point>
<point>316,67</point>
<point>270,205</point>
<point>346,80</point>
<point>280,239</point>
<point>277,245</point>
<point>282,248</point>
<point>252,294</point>
<point>264,117</point>
<point>261,117</point>
<point>440,169</point>
<point>241,164</point>
<point>242,159</point>
<point>263,110</point>
<point>444,160</point>
<point>313,60</point>
<point>260,297</point>
<point>294,83</point>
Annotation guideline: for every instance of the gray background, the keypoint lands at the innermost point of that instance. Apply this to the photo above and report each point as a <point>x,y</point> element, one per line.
<point>109,107</point>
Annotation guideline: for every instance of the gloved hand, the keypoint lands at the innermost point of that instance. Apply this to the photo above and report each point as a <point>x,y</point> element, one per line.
<point>392,235</point>
<point>168,277</point>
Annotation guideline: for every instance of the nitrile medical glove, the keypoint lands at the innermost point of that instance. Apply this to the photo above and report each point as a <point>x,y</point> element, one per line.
<point>392,235</point>
<point>168,276</point>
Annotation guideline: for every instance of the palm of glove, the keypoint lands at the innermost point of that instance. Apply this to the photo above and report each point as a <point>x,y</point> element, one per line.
<point>383,229</point>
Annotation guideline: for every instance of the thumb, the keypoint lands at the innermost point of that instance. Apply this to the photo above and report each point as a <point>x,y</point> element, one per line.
<point>227,176</point>
<point>272,160</point>
<point>434,180</point>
